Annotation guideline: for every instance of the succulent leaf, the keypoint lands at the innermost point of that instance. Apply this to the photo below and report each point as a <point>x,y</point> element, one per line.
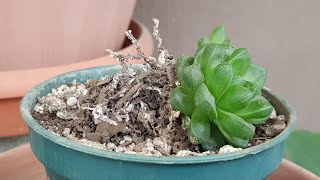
<point>227,41</point>
<point>203,41</point>
<point>192,77</point>
<point>182,99</point>
<point>240,60</point>
<point>215,141</point>
<point>219,79</point>
<point>199,126</point>
<point>183,62</point>
<point>213,55</point>
<point>253,88</point>
<point>205,102</point>
<point>258,111</point>
<point>218,35</point>
<point>229,51</point>
<point>238,81</point>
<point>256,74</point>
<point>236,98</point>
<point>199,53</point>
<point>234,128</point>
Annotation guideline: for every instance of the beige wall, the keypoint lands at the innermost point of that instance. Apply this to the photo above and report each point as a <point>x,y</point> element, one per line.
<point>282,35</point>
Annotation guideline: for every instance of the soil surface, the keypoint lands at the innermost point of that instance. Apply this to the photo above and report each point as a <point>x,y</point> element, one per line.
<point>133,115</point>
<point>130,114</point>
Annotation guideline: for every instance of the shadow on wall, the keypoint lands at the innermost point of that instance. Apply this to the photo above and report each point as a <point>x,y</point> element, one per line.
<point>281,35</point>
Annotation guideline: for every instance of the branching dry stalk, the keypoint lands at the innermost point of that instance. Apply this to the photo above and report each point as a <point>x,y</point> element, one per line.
<point>163,64</point>
<point>164,60</point>
<point>164,57</point>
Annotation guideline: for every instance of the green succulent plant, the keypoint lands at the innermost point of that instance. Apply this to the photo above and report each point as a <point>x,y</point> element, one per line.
<point>220,93</point>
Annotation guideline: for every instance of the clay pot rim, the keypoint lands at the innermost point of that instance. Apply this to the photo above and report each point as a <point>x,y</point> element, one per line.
<point>14,85</point>
<point>291,170</point>
<point>26,107</point>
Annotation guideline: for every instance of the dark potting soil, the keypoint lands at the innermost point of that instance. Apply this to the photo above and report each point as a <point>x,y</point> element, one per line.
<point>129,113</point>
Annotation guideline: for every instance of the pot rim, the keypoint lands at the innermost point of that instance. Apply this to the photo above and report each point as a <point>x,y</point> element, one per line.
<point>26,114</point>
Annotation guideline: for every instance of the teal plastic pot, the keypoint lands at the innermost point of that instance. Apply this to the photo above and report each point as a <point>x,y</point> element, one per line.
<point>65,159</point>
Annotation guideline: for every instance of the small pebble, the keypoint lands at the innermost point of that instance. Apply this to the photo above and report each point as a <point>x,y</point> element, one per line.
<point>183,153</point>
<point>228,149</point>
<point>127,138</point>
<point>111,146</point>
<point>72,101</point>
<point>281,118</point>
<point>161,146</point>
<point>38,108</point>
<point>66,131</point>
<point>120,149</point>
<point>122,142</point>
<point>273,114</point>
<point>176,114</point>
<point>130,152</point>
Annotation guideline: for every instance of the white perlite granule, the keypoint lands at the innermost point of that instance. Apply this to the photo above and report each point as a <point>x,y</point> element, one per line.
<point>184,153</point>
<point>273,114</point>
<point>38,108</point>
<point>92,143</point>
<point>228,149</point>
<point>72,101</point>
<point>61,98</point>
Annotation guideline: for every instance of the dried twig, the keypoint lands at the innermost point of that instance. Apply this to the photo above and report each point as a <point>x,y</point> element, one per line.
<point>131,92</point>
<point>164,57</point>
<point>156,33</point>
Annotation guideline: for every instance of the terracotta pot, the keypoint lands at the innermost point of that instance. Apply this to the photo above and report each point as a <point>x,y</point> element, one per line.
<point>14,84</point>
<point>21,163</point>
<point>45,33</point>
<point>289,170</point>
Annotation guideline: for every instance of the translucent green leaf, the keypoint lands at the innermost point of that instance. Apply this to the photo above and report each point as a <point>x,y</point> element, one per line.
<point>192,77</point>
<point>302,148</point>
<point>205,102</point>
<point>215,141</point>
<point>235,130</point>
<point>238,81</point>
<point>227,41</point>
<point>199,53</point>
<point>213,55</point>
<point>247,84</point>
<point>253,88</point>
<point>203,41</point>
<point>229,51</point>
<point>182,100</point>
<point>256,74</point>
<point>258,111</point>
<point>219,80</point>
<point>240,60</point>
<point>183,62</point>
<point>237,142</point>
<point>199,127</point>
<point>235,98</point>
<point>218,35</point>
